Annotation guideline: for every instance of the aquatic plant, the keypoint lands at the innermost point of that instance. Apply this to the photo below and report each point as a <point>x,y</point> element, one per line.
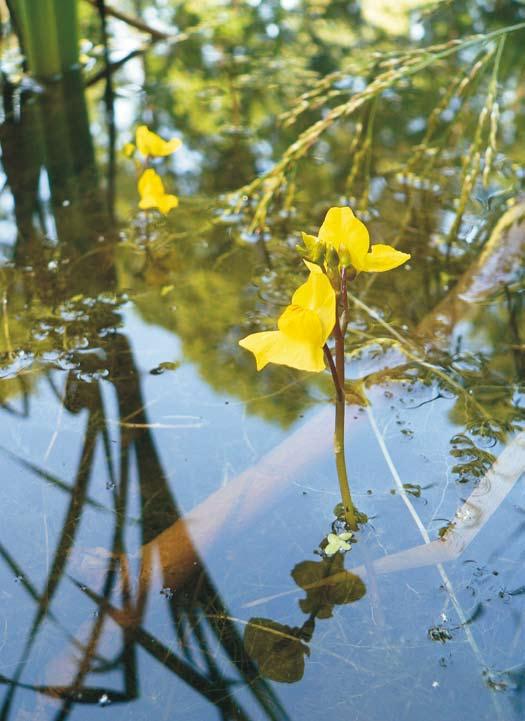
<point>150,185</point>
<point>149,144</point>
<point>152,193</point>
<point>319,310</point>
<point>304,328</point>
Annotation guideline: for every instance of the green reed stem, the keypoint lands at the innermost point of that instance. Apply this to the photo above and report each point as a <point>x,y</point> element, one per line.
<point>48,34</point>
<point>340,464</point>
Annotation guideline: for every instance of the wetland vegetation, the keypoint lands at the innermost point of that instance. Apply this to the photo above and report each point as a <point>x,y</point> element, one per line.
<point>177,535</point>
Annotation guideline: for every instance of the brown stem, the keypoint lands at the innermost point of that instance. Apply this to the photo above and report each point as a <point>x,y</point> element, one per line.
<point>339,353</point>
<point>339,389</point>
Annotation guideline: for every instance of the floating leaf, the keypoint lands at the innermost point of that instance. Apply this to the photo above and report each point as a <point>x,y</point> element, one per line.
<point>473,463</point>
<point>165,366</point>
<point>413,488</point>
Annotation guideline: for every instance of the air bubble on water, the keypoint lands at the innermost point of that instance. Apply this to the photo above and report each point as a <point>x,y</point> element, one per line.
<point>167,592</point>
<point>464,514</point>
<point>93,376</point>
<point>104,700</point>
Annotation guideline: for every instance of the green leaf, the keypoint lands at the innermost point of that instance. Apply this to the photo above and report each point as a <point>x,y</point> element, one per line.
<point>345,587</point>
<point>355,393</point>
<point>276,649</point>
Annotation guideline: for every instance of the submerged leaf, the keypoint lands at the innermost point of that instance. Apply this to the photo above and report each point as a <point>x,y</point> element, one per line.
<point>276,649</point>
<point>345,588</point>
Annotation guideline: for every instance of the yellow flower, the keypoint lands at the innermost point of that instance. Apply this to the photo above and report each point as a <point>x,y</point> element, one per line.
<point>129,150</point>
<point>345,233</point>
<point>149,143</point>
<point>304,328</point>
<point>152,193</point>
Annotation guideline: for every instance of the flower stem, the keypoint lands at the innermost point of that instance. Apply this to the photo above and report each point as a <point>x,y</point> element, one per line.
<point>339,353</point>
<point>338,375</point>
<point>339,389</point>
<point>340,463</point>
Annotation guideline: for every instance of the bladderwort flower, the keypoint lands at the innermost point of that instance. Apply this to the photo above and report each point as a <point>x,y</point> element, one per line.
<point>342,232</point>
<point>304,328</point>
<point>152,193</point>
<point>149,144</point>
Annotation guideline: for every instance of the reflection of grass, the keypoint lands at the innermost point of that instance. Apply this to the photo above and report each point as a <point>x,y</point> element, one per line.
<point>387,75</point>
<point>158,510</point>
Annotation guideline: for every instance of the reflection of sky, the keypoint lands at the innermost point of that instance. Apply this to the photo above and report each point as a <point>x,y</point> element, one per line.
<point>378,643</point>
<point>373,660</point>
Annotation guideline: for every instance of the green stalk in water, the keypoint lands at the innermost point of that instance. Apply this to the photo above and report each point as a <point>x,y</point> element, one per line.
<point>350,513</point>
<point>48,34</point>
<point>338,375</point>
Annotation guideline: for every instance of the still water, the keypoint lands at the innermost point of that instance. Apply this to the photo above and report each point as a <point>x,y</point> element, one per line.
<point>162,504</point>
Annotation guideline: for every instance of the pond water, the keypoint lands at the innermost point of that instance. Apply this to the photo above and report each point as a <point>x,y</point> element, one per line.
<point>163,504</point>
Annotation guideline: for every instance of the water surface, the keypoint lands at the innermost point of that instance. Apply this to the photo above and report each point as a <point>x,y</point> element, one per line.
<point>162,503</point>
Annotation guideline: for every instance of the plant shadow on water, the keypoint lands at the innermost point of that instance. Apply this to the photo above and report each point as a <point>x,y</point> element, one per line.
<point>157,494</point>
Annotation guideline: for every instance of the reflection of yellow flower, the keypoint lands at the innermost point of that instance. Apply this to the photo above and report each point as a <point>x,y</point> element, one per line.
<point>152,194</point>
<point>304,328</point>
<point>149,143</point>
<point>129,150</point>
<point>345,233</point>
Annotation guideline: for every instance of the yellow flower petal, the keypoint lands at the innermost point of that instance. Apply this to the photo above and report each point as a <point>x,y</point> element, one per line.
<point>309,239</point>
<point>277,347</point>
<point>342,230</point>
<point>149,143</point>
<point>312,267</point>
<point>318,296</point>
<point>128,149</point>
<point>152,193</point>
<point>167,202</point>
<point>384,257</point>
<point>303,328</point>
<point>150,184</point>
<point>301,324</point>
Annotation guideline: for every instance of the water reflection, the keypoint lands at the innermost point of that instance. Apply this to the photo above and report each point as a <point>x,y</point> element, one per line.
<point>200,623</point>
<point>74,277</point>
<point>280,650</point>
<point>108,577</point>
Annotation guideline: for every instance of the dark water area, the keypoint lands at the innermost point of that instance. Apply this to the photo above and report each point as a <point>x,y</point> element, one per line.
<point>164,506</point>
